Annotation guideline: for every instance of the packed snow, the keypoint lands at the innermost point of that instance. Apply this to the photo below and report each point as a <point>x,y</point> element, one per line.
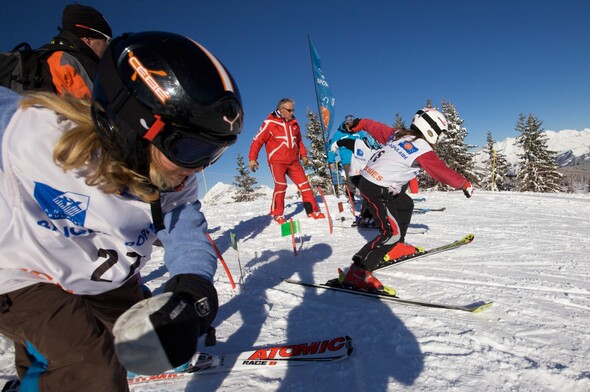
<point>530,256</point>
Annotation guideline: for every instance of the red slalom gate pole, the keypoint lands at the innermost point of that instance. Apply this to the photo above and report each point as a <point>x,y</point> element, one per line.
<point>351,200</point>
<point>327,209</point>
<point>231,279</point>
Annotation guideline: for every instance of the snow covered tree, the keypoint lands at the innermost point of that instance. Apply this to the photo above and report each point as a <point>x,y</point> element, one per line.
<point>537,165</point>
<point>244,183</point>
<point>317,155</point>
<point>451,148</point>
<point>399,122</point>
<point>496,168</point>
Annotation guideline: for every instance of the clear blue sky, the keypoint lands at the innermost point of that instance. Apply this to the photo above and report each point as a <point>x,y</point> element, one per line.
<point>491,59</point>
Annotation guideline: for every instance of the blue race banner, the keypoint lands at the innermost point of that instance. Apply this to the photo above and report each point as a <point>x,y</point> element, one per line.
<point>326,101</point>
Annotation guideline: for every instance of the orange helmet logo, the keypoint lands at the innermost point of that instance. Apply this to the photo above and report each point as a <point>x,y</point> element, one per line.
<point>146,75</point>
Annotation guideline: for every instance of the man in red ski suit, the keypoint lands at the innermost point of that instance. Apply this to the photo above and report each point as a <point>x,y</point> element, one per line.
<point>281,135</point>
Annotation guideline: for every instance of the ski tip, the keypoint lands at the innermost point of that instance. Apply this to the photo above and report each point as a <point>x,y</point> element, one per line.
<point>479,307</point>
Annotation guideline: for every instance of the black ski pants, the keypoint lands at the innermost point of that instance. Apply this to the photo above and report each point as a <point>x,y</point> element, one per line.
<point>392,213</point>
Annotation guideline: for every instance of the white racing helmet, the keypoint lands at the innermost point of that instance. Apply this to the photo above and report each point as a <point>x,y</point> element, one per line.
<point>431,123</point>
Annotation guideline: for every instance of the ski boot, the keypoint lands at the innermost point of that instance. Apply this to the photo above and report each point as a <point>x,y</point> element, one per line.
<point>401,250</point>
<point>363,280</point>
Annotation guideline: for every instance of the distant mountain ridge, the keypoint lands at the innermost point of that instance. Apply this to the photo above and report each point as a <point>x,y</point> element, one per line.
<point>572,148</point>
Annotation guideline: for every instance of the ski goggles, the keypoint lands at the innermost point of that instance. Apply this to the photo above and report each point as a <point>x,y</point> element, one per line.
<point>106,37</point>
<point>185,148</point>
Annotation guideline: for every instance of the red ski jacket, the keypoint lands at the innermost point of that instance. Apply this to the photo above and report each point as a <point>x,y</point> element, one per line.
<point>282,140</point>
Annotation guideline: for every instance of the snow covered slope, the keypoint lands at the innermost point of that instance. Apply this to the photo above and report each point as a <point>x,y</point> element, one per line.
<point>530,255</point>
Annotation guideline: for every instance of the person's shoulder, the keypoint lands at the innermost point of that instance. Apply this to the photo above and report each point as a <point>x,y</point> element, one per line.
<point>419,144</point>
<point>8,105</point>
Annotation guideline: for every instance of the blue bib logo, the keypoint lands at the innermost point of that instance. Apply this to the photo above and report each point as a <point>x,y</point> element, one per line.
<point>408,147</point>
<point>62,205</point>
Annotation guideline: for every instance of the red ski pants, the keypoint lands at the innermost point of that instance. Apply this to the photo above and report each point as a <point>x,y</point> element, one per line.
<point>296,173</point>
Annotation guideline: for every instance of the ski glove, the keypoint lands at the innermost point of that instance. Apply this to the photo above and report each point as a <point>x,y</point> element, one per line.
<point>334,147</point>
<point>253,165</point>
<point>161,333</point>
<point>467,189</point>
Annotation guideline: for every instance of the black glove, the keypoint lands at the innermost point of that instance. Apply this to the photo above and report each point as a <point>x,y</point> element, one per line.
<point>161,333</point>
<point>354,124</point>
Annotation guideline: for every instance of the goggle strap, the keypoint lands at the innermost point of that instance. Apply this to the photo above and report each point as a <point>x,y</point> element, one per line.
<point>155,128</point>
<point>157,216</point>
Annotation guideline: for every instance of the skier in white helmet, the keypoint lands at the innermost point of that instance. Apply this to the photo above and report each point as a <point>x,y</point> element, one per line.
<point>382,185</point>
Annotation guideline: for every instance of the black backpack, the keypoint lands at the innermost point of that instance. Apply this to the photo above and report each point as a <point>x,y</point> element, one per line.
<point>25,69</point>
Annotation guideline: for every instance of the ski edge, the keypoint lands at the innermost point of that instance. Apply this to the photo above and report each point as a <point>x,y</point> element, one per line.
<point>476,307</point>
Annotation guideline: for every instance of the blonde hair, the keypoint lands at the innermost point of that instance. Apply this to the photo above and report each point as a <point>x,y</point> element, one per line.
<point>80,149</point>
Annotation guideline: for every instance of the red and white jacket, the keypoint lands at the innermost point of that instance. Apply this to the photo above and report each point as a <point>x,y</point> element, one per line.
<point>399,161</point>
<point>282,140</point>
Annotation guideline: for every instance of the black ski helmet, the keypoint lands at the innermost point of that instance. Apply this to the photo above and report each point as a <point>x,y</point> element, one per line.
<point>167,90</point>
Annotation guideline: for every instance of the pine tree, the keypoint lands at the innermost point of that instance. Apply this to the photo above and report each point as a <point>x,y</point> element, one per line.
<point>399,122</point>
<point>244,183</point>
<point>317,155</point>
<point>496,168</point>
<point>537,166</point>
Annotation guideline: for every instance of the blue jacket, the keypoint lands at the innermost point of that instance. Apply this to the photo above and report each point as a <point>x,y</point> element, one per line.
<point>346,154</point>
